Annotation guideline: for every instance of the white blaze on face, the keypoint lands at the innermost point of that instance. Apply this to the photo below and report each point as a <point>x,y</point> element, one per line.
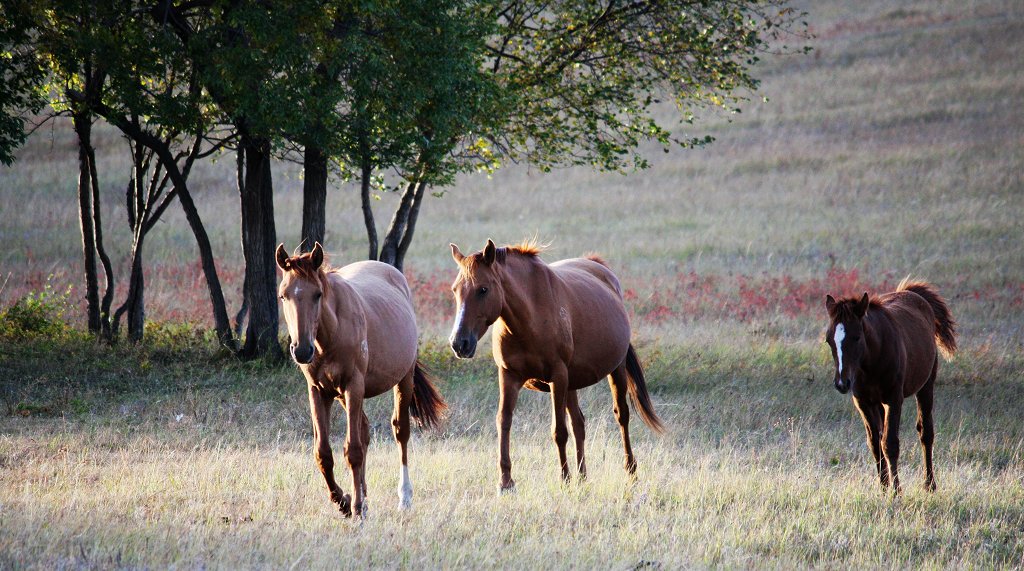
<point>404,489</point>
<point>839,336</point>
<point>459,316</point>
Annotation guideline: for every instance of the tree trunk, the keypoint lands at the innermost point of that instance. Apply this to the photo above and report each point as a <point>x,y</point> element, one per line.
<point>83,127</point>
<point>259,239</point>
<point>396,230</point>
<point>97,226</point>
<point>178,179</point>
<point>314,198</point>
<point>220,310</point>
<point>243,310</point>
<point>410,226</point>
<point>136,298</point>
<point>371,225</point>
<point>134,303</point>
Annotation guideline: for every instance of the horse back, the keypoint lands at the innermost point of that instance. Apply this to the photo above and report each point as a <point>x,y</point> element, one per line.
<point>914,321</point>
<point>383,294</point>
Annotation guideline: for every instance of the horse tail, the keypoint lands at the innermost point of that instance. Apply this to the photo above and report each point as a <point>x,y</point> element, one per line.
<point>638,392</point>
<point>428,405</point>
<point>945,326</point>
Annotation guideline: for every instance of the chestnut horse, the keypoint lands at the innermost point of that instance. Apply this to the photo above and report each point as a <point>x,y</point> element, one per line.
<point>353,335</point>
<point>560,328</point>
<point>884,349</point>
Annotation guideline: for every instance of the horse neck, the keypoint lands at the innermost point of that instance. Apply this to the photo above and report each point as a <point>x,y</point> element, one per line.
<point>334,291</point>
<point>879,335</point>
<point>526,282</point>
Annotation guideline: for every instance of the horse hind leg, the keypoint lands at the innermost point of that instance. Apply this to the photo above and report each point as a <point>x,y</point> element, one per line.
<point>579,432</point>
<point>366,447</point>
<point>618,380</point>
<point>926,426</point>
<point>400,427</point>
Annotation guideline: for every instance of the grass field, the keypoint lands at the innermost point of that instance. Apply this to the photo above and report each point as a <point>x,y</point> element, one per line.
<point>895,148</point>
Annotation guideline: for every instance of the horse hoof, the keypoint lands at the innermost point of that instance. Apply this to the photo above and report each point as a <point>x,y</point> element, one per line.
<point>507,487</point>
<point>345,505</point>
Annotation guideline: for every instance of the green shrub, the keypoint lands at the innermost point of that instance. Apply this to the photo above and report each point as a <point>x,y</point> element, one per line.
<point>38,314</point>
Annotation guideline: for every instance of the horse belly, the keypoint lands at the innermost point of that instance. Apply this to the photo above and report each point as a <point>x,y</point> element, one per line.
<point>600,343</point>
<point>916,324</point>
<point>391,344</point>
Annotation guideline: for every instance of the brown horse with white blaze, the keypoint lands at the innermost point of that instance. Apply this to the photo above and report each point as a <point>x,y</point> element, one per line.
<point>557,328</point>
<point>884,350</point>
<point>353,335</point>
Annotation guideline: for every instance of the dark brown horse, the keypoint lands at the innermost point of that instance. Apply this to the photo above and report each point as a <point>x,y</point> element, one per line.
<point>353,334</point>
<point>884,349</point>
<point>558,328</point>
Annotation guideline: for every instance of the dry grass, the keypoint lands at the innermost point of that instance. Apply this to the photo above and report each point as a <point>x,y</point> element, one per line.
<point>894,149</point>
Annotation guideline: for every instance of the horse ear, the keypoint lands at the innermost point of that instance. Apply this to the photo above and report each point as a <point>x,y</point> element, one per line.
<point>490,251</point>
<point>862,306</point>
<point>317,256</point>
<point>830,304</point>
<point>282,257</point>
<point>457,253</point>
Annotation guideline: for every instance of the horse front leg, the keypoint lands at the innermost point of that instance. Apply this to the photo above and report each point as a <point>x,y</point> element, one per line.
<point>509,385</point>
<point>355,445</point>
<point>559,431</point>
<point>320,411</point>
<point>871,414</point>
<point>891,441</point>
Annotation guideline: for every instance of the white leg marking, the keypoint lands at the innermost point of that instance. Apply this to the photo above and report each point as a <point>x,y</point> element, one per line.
<point>404,489</point>
<point>839,336</point>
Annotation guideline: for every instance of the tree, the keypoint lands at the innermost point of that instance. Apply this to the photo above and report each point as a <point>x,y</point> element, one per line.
<point>415,88</point>
<point>577,84</point>
<point>64,35</point>
<point>108,62</point>
<point>237,50</point>
<point>22,76</point>
<point>586,76</point>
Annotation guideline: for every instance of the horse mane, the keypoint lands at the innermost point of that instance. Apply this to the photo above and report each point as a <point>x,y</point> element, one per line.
<point>530,249</point>
<point>302,266</point>
<point>845,311</point>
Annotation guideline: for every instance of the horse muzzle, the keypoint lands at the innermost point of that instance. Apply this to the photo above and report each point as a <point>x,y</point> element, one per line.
<point>464,346</point>
<point>843,385</point>
<point>303,354</point>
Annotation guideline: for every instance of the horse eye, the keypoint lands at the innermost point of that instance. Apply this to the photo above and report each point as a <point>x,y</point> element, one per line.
<point>318,296</point>
<point>483,290</point>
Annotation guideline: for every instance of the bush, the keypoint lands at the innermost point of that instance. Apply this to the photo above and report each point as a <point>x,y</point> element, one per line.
<point>38,314</point>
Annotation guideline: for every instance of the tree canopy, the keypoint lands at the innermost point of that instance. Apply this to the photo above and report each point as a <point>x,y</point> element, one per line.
<point>423,89</point>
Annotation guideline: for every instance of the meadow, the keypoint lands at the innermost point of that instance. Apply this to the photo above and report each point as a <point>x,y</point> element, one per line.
<point>895,148</point>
